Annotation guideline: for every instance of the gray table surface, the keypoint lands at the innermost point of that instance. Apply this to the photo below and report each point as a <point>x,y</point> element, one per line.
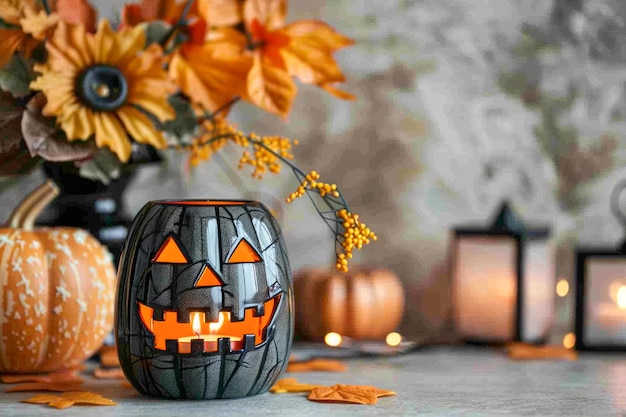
<point>433,381</point>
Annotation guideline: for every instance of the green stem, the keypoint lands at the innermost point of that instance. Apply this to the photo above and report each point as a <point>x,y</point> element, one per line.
<point>46,6</point>
<point>181,22</point>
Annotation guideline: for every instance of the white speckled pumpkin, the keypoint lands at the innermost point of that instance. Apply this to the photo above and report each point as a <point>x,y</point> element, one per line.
<point>58,290</point>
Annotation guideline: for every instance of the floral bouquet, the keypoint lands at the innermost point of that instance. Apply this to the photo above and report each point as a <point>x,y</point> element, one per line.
<point>75,88</point>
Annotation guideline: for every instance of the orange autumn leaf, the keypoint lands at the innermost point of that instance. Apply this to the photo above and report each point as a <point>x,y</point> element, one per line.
<point>38,24</point>
<point>303,49</point>
<point>525,351</point>
<point>207,75</point>
<point>46,386</point>
<point>67,399</point>
<point>308,55</point>
<point>11,40</point>
<point>318,364</point>
<point>270,13</point>
<point>110,373</point>
<point>220,12</point>
<point>150,10</point>
<point>49,378</point>
<point>290,385</point>
<point>108,356</point>
<point>330,88</point>
<point>270,87</point>
<point>11,10</point>
<point>77,12</point>
<point>358,394</point>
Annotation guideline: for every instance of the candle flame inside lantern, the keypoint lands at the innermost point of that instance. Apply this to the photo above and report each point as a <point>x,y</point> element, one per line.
<point>621,297</point>
<point>214,327</point>
<point>197,328</point>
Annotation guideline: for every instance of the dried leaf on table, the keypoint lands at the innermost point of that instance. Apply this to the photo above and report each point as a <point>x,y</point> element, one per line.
<point>46,386</point>
<point>291,385</point>
<point>108,357</point>
<point>319,364</point>
<point>67,399</point>
<point>109,373</point>
<point>525,351</point>
<point>358,394</point>
<point>50,378</point>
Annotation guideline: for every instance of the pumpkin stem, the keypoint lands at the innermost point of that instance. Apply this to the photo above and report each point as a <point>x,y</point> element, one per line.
<point>25,214</point>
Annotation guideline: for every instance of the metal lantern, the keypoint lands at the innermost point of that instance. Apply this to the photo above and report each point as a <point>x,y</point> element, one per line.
<point>503,281</point>
<point>601,292</point>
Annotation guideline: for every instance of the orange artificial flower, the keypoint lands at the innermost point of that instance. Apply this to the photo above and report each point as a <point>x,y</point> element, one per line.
<point>211,73</point>
<point>11,10</point>
<point>77,12</point>
<point>33,24</point>
<point>105,85</point>
<point>303,49</point>
<point>15,39</point>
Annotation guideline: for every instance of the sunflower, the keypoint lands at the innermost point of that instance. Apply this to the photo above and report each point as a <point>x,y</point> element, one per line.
<point>105,85</point>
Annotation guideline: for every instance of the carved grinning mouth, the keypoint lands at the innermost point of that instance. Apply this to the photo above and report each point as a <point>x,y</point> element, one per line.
<point>172,335</point>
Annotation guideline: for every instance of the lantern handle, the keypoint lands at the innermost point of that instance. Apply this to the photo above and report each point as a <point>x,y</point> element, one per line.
<point>615,207</point>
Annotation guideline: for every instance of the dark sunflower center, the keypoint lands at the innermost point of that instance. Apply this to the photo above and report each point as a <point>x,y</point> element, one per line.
<point>102,87</point>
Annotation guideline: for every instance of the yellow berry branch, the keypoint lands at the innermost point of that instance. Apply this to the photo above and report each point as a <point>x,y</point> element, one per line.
<point>267,154</point>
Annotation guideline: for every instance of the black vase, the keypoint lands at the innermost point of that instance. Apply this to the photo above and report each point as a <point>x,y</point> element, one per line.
<point>95,206</point>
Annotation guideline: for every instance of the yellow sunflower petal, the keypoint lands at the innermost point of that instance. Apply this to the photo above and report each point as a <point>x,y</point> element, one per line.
<point>69,43</point>
<point>79,122</point>
<point>140,127</point>
<point>111,133</point>
<point>129,42</point>
<point>104,42</point>
<point>156,105</point>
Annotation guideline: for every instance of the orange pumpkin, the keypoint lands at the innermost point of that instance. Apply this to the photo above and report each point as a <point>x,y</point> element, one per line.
<point>363,303</point>
<point>58,290</point>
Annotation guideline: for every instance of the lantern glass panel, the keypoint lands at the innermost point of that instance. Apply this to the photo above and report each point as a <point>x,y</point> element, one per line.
<point>485,294</point>
<point>539,271</point>
<point>605,302</point>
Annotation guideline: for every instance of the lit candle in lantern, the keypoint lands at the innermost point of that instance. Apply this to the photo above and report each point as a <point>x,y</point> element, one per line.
<point>207,342</point>
<point>614,313</point>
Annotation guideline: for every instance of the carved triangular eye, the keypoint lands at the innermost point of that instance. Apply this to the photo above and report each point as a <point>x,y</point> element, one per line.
<point>170,252</point>
<point>243,253</point>
<point>208,278</point>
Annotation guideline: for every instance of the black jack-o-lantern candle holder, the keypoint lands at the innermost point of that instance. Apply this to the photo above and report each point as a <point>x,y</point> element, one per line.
<point>204,301</point>
<point>601,291</point>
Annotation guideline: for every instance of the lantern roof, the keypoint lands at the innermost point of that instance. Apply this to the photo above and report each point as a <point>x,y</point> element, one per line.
<point>507,222</point>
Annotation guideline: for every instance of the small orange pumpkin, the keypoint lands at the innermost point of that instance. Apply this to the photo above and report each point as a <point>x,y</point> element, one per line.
<point>58,290</point>
<point>363,303</point>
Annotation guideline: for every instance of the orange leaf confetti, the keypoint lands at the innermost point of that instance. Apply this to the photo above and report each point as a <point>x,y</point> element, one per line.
<point>108,357</point>
<point>46,386</point>
<point>525,351</point>
<point>51,378</point>
<point>110,373</point>
<point>357,394</point>
<point>67,399</point>
<point>291,385</point>
<point>320,364</point>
